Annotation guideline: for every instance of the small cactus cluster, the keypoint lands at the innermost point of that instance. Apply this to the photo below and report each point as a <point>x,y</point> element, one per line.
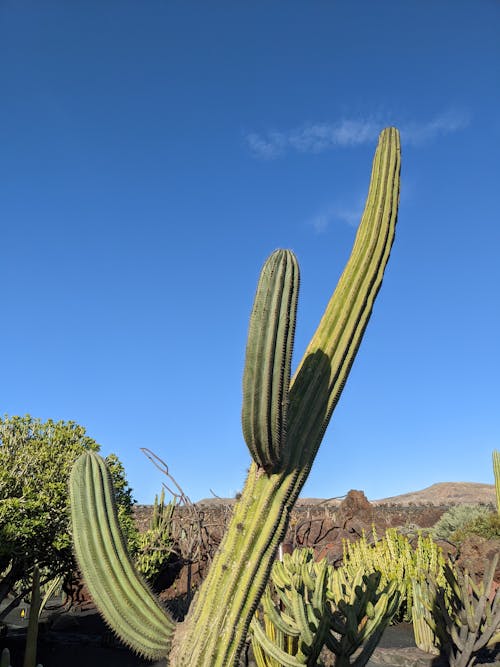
<point>308,607</point>
<point>397,560</point>
<point>283,422</point>
<point>156,544</point>
<point>465,615</point>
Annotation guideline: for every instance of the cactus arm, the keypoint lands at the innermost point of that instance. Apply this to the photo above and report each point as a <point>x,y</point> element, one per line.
<point>496,474</point>
<point>341,329</point>
<point>272,650</point>
<point>215,629</point>
<point>121,595</point>
<point>266,377</point>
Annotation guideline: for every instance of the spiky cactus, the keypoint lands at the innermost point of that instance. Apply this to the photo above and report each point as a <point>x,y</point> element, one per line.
<point>293,620</point>
<point>284,428</point>
<point>307,606</point>
<point>363,608</point>
<point>466,616</point>
<point>496,474</point>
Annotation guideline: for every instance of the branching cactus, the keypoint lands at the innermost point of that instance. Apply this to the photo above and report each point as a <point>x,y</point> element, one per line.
<point>308,606</point>
<point>283,421</point>
<point>466,616</point>
<point>293,620</point>
<point>363,608</point>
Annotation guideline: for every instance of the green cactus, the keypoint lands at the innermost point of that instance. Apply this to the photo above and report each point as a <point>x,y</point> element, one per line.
<point>294,420</point>
<point>466,615</point>
<point>423,604</point>
<point>307,606</point>
<point>294,611</point>
<point>266,378</point>
<point>395,558</point>
<point>156,544</point>
<point>496,473</point>
<point>363,608</point>
<point>122,596</point>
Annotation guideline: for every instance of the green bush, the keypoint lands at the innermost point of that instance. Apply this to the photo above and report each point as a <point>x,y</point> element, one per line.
<point>487,526</point>
<point>456,518</point>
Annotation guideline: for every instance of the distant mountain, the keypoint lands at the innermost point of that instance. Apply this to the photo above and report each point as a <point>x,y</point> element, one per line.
<point>443,493</point>
<point>446,493</point>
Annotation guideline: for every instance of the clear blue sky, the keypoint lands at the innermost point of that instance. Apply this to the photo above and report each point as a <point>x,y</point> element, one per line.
<point>152,155</point>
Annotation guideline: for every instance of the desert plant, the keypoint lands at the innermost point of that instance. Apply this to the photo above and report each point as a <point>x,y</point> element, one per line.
<point>465,616</point>
<point>496,474</point>
<point>396,560</point>
<point>156,544</point>
<point>284,425</point>
<point>456,518</point>
<point>293,619</point>
<point>308,606</point>
<point>484,525</point>
<point>363,608</point>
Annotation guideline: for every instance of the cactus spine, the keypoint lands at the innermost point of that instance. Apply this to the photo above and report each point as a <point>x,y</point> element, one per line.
<point>215,629</point>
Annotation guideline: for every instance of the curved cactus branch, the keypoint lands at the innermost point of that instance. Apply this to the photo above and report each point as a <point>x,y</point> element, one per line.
<point>123,598</point>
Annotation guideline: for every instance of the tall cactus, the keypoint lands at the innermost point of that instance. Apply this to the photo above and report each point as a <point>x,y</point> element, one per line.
<point>283,427</point>
<point>496,474</point>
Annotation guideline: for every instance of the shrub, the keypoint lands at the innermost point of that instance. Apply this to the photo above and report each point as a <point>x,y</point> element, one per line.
<point>456,518</point>
<point>487,526</point>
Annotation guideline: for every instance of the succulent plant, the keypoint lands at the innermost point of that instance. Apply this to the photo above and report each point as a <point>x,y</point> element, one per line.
<point>465,616</point>
<point>496,474</point>
<point>308,606</point>
<point>284,422</point>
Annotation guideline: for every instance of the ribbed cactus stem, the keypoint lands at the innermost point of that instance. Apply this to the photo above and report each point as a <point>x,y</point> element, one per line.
<point>123,598</point>
<point>496,474</point>
<point>266,377</point>
<point>215,629</point>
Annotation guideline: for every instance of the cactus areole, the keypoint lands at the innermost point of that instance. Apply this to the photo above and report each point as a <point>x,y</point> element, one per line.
<point>283,424</point>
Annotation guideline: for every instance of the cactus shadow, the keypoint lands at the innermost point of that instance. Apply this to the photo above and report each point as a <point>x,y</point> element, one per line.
<point>308,404</point>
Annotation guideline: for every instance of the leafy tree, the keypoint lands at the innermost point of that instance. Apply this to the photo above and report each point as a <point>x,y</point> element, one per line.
<point>35,461</point>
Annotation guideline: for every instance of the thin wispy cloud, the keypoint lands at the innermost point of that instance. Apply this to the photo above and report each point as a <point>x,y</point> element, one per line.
<point>320,137</point>
<point>349,214</point>
<point>445,123</point>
